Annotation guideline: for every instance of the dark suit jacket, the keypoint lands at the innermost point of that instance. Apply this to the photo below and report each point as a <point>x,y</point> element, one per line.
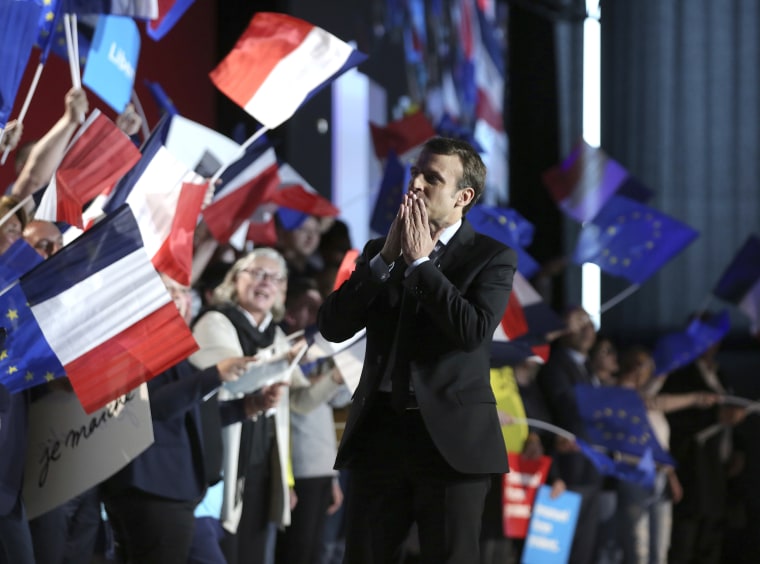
<point>172,467</point>
<point>557,380</point>
<point>458,302</point>
<point>13,443</point>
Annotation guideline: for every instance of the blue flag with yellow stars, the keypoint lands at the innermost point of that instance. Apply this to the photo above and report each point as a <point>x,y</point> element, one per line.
<point>395,180</point>
<point>642,473</point>
<point>615,419</point>
<point>509,227</point>
<point>674,350</point>
<point>631,240</point>
<point>19,259</point>
<point>26,359</point>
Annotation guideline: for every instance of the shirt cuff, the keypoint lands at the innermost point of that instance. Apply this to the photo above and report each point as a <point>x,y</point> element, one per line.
<point>379,268</point>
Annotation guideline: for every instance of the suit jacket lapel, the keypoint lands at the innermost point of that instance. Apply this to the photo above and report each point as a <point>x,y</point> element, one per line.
<point>458,246</point>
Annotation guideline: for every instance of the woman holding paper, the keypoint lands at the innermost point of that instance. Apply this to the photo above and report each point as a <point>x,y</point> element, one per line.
<point>248,305</point>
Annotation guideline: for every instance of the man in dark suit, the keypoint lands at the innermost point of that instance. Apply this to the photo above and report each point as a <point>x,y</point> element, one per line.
<point>423,437</point>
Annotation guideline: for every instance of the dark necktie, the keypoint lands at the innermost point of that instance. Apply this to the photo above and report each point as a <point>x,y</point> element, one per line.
<point>400,392</point>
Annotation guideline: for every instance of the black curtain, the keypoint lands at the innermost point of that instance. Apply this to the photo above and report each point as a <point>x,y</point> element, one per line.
<point>680,95</point>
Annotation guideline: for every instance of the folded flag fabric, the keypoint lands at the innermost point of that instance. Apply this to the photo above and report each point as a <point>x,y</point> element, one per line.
<point>523,328</point>
<point>280,62</point>
<point>616,419</point>
<point>402,136</point>
<point>641,473</point>
<point>396,178</point>
<point>297,195</point>
<point>166,198</point>
<point>631,240</point>
<point>674,350</point>
<point>17,261</point>
<point>346,268</point>
<point>98,156</point>
<point>244,186</point>
<point>740,282</point>
<point>509,227</point>
<point>97,312</point>
<point>19,27</point>
<point>447,127</point>
<point>583,183</point>
<point>169,13</point>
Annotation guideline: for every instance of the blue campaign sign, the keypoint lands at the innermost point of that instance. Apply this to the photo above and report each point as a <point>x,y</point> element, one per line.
<point>551,529</point>
<point>112,60</point>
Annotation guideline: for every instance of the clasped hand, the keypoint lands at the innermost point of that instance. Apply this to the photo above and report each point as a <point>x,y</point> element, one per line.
<point>409,235</point>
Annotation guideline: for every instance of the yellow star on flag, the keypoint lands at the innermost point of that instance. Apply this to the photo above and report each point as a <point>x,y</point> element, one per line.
<point>12,314</point>
<point>49,376</point>
<point>3,355</point>
<point>29,377</point>
<point>12,369</point>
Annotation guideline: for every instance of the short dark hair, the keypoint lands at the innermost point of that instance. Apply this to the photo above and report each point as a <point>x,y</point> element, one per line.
<point>473,168</point>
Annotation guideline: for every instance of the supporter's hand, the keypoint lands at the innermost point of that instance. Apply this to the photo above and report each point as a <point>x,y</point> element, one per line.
<point>705,399</point>
<point>564,445</point>
<point>558,488</point>
<point>230,369</point>
<point>533,449</point>
<point>337,497</point>
<point>732,415</point>
<point>416,240</point>
<point>504,418</point>
<point>12,135</point>
<point>76,105</point>
<point>129,121</point>
<point>676,490</point>
<point>296,348</point>
<point>293,498</point>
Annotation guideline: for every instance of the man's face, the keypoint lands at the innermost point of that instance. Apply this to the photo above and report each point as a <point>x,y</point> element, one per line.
<point>44,236</point>
<point>582,334</point>
<point>434,179</point>
<point>303,312</point>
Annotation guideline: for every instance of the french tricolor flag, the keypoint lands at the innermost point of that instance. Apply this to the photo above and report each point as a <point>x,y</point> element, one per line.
<point>99,155</point>
<point>280,62</point>
<point>96,311</point>
<point>526,322</point>
<point>245,184</point>
<point>166,199</point>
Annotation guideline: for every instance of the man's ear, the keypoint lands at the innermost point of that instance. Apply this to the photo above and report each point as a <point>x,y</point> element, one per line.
<point>465,196</point>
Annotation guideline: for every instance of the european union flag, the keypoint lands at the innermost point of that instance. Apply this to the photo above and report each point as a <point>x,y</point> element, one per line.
<point>18,31</point>
<point>26,358</point>
<point>616,419</point>
<point>509,227</point>
<point>740,282</point>
<point>55,40</point>
<point>19,259</point>
<point>642,473</point>
<point>395,180</point>
<point>631,240</point>
<point>675,350</point>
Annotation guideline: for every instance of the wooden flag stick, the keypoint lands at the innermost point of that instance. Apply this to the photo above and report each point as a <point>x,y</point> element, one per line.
<point>612,302</point>
<point>73,61</point>
<point>25,107</point>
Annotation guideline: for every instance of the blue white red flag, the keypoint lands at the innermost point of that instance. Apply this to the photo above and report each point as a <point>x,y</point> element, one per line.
<point>740,282</point>
<point>280,62</point>
<point>97,312</point>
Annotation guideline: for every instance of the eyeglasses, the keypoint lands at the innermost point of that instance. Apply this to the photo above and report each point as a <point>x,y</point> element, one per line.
<point>259,275</point>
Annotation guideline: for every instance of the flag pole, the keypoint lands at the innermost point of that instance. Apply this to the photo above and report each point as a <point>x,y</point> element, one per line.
<point>25,107</point>
<point>70,49</point>
<point>251,140</point>
<point>138,106</point>
<point>612,302</point>
<point>14,209</point>
<point>543,425</point>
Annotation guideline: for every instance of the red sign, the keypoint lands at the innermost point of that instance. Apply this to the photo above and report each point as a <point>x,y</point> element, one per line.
<point>518,492</point>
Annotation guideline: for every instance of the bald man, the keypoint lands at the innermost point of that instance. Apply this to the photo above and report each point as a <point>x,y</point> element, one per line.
<point>44,236</point>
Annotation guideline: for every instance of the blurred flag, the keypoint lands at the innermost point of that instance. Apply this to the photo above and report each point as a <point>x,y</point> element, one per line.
<point>631,240</point>
<point>17,261</point>
<point>298,199</point>
<point>49,21</point>
<point>263,233</point>
<point>346,268</point>
<point>140,9</point>
<point>583,183</point>
<point>56,40</point>
<point>163,101</point>
<point>616,419</point>
<point>98,156</point>
<point>245,184</point>
<point>509,227</point>
<point>641,473</point>
<point>403,136</point>
<point>108,321</point>
<point>19,27</point>
<point>395,180</point>
<point>280,62</point>
<point>166,198</point>
<point>675,350</point>
<point>169,13</point>
<point>527,319</point>
<point>447,127</point>
<point>740,282</point>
